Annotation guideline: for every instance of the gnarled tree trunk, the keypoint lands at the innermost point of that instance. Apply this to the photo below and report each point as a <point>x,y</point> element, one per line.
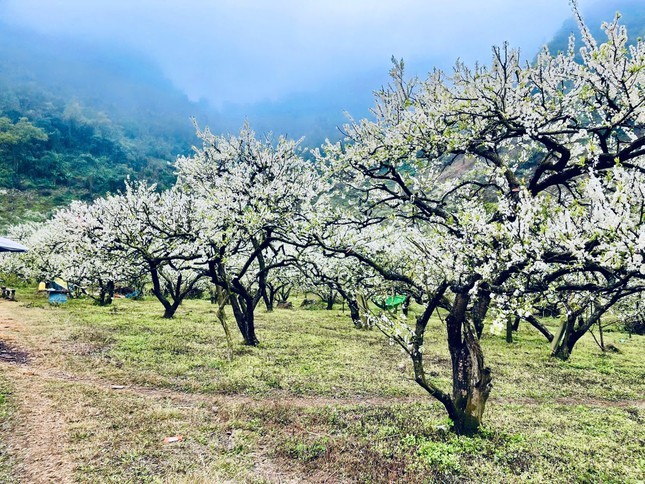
<point>566,338</point>
<point>243,309</point>
<point>106,293</point>
<point>470,377</point>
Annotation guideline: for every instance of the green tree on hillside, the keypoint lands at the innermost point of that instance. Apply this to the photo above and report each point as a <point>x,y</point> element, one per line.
<point>20,144</point>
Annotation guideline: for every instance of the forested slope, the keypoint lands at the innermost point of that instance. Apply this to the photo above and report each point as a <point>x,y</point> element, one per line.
<point>75,120</point>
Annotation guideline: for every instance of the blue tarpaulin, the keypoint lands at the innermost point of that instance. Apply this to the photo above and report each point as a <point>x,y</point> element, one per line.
<point>57,298</point>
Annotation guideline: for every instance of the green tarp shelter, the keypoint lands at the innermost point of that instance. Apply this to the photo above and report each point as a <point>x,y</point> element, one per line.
<point>391,302</point>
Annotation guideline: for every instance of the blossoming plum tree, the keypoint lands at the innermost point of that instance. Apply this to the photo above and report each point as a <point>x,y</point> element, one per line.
<point>469,167</point>
<point>249,195</point>
<point>154,230</point>
<point>594,246</point>
<point>75,245</point>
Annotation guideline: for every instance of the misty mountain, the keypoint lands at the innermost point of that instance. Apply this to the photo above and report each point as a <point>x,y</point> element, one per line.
<point>632,16</point>
<point>124,85</point>
<point>316,116</point>
<point>76,119</point>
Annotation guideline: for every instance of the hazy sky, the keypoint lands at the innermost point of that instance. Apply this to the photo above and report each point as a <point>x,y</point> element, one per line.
<point>244,51</point>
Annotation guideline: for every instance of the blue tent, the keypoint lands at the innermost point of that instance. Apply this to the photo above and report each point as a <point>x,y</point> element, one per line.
<point>7,245</point>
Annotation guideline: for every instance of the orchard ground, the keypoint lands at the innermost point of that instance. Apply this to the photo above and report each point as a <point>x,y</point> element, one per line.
<point>89,393</point>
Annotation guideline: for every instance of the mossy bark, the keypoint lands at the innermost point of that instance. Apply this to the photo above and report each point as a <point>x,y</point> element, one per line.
<point>470,376</point>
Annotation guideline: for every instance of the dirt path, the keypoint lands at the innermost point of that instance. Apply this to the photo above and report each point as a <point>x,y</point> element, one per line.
<point>39,440</point>
<point>39,437</point>
<point>48,375</point>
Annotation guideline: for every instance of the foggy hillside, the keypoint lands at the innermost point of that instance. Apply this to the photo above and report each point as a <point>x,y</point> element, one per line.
<point>78,116</point>
<point>36,69</point>
<point>632,16</point>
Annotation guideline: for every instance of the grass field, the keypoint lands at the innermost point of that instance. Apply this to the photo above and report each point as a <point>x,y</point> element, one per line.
<point>317,401</point>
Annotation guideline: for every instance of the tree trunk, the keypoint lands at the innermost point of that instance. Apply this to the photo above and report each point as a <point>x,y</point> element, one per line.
<point>354,308</point>
<point>106,294</point>
<point>262,281</point>
<point>284,293</point>
<point>271,292</point>
<point>471,378</point>
<point>170,311</point>
<point>110,293</point>
<point>480,309</point>
<point>405,307</point>
<point>243,312</point>
<point>363,306</point>
<point>566,338</point>
<point>561,350</point>
<point>533,321</point>
<point>157,290</point>
<point>355,313</point>
<point>330,300</point>
<point>268,299</point>
<point>222,299</point>
<point>242,302</point>
<point>576,326</point>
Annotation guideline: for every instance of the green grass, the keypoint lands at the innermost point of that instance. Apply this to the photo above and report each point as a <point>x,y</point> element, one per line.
<point>301,352</point>
<point>321,401</point>
<point>6,412</point>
